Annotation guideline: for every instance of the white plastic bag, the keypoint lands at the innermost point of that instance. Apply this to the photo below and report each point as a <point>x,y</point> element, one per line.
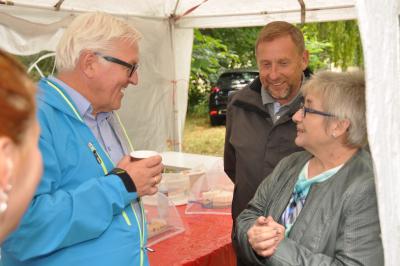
<point>176,187</point>
<point>212,193</point>
<point>163,220</point>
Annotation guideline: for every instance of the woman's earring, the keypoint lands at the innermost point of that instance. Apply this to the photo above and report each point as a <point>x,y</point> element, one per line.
<point>7,189</point>
<point>4,198</point>
<point>334,135</point>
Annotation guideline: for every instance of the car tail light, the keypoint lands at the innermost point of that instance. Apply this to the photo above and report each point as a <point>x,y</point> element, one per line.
<point>215,89</point>
<point>213,112</point>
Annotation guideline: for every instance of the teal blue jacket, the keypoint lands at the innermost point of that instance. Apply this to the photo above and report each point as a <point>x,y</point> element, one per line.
<point>76,217</point>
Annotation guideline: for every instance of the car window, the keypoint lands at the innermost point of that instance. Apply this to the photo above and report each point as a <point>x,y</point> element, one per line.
<point>235,80</point>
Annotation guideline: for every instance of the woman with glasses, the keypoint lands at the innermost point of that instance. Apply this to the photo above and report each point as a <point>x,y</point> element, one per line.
<point>20,159</point>
<point>319,206</point>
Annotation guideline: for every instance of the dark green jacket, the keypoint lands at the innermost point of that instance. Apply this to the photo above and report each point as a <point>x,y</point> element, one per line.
<point>339,224</point>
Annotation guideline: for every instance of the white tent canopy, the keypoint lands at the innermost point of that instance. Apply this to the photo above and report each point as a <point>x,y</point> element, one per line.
<point>380,33</point>
<point>155,110</point>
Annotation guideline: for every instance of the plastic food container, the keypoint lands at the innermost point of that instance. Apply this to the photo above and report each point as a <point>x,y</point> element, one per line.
<point>193,175</point>
<point>176,187</point>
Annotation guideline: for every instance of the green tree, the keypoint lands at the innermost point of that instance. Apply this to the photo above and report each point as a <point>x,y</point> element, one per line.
<point>215,50</point>
<point>239,40</point>
<point>343,39</point>
<point>319,50</point>
<point>209,57</point>
<point>47,65</point>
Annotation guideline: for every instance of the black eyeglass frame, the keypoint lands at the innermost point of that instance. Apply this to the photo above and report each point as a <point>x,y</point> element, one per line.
<point>306,110</point>
<point>132,67</point>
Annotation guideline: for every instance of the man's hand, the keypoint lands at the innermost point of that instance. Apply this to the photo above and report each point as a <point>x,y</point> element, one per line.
<point>145,173</point>
<point>265,235</point>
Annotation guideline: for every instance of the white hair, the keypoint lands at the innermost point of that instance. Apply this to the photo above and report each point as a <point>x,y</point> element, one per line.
<point>91,31</point>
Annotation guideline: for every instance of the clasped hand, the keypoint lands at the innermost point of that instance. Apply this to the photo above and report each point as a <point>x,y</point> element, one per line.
<point>145,173</point>
<point>265,235</point>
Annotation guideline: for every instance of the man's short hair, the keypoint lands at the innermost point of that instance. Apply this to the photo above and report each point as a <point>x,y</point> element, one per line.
<point>277,29</point>
<point>91,31</point>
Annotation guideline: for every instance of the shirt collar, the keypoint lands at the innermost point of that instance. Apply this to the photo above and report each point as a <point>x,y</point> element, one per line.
<point>84,107</point>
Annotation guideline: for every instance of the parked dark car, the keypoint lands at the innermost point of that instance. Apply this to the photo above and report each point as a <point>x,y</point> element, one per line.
<point>228,81</point>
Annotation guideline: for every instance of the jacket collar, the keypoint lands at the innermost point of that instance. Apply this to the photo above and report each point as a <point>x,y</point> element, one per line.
<point>256,85</point>
<point>49,95</point>
<point>249,98</point>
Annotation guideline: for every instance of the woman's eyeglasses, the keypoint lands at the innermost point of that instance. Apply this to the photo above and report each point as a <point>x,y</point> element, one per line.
<point>304,110</point>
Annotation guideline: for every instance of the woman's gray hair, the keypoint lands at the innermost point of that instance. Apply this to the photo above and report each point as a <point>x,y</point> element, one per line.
<point>91,31</point>
<point>343,95</point>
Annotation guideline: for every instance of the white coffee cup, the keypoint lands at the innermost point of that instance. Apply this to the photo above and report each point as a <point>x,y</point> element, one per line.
<point>142,154</point>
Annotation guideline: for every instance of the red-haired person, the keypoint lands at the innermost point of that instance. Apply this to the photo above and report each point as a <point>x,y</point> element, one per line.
<point>20,159</point>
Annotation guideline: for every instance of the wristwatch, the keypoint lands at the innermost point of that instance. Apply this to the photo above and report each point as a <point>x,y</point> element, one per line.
<point>125,177</point>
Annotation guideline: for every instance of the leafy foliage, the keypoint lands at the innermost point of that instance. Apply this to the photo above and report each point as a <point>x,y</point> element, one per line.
<point>46,65</point>
<point>215,50</point>
<point>209,56</point>
<point>344,40</point>
<point>319,51</point>
<point>240,40</point>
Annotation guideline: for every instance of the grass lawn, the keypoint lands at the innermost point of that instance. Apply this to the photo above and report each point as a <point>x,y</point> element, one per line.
<point>201,138</point>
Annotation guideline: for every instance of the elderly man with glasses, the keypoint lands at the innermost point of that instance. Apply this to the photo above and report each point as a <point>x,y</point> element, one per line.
<point>87,210</point>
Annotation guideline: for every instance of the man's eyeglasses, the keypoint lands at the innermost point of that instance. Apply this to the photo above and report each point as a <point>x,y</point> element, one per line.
<point>131,67</point>
<point>304,110</point>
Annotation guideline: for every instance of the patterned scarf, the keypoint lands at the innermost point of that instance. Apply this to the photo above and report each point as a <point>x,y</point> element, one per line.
<point>299,194</point>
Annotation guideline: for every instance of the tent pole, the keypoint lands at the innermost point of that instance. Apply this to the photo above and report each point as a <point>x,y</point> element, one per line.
<point>176,136</point>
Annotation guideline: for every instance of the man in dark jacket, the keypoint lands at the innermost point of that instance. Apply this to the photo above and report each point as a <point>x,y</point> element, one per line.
<point>259,126</point>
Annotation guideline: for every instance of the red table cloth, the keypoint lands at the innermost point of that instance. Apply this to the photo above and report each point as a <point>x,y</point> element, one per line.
<point>205,242</point>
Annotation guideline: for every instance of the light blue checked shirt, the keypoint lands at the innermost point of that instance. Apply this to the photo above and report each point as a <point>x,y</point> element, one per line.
<point>99,125</point>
